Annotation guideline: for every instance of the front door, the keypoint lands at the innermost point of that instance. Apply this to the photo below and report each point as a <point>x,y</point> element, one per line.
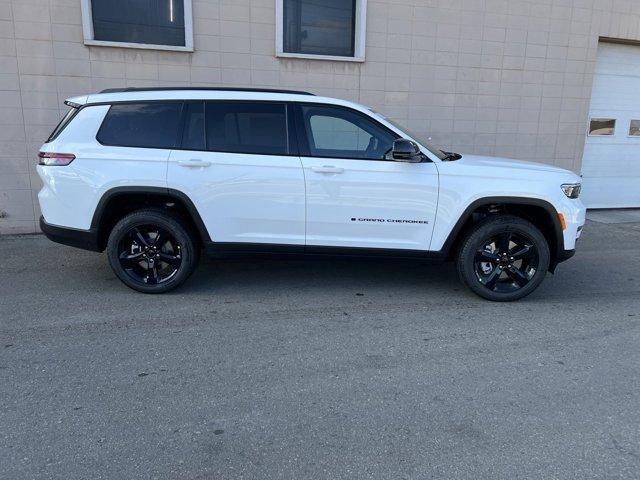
<point>234,164</point>
<point>356,195</point>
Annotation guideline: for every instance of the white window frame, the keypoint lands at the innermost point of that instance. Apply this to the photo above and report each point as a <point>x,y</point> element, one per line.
<point>358,44</point>
<point>87,28</point>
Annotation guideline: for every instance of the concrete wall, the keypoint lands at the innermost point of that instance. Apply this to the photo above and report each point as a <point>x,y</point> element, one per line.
<point>498,77</point>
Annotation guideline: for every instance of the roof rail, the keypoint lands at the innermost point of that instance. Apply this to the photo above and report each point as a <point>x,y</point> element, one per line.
<point>228,89</point>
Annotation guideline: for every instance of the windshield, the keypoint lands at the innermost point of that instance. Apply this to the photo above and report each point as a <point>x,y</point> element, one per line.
<point>428,145</point>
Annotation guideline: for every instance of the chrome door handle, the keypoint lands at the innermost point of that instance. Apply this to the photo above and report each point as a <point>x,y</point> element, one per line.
<point>194,162</point>
<point>327,169</point>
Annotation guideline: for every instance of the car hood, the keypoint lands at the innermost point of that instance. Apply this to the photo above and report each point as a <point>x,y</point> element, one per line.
<point>508,163</point>
<point>480,166</point>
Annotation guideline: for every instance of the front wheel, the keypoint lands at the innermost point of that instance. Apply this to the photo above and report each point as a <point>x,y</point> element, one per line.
<point>503,258</point>
<point>151,251</point>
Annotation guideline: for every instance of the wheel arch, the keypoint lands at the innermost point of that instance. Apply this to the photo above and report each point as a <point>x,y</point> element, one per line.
<point>539,212</point>
<point>118,201</point>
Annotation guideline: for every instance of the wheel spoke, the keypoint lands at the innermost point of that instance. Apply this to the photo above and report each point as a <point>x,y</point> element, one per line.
<point>161,238</point>
<point>525,252</point>
<point>486,256</point>
<point>490,281</point>
<point>173,260</point>
<point>128,261</point>
<point>517,276</point>
<point>152,275</point>
<point>140,237</point>
<point>503,242</point>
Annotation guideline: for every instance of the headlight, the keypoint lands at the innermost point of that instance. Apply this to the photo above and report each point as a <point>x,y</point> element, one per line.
<point>571,190</point>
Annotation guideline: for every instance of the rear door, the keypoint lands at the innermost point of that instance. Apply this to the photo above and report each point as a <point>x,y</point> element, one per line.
<point>356,195</point>
<point>237,165</point>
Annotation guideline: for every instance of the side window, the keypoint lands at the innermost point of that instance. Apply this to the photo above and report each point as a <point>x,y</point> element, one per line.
<point>66,120</point>
<point>193,133</point>
<point>634,128</point>
<point>602,127</point>
<point>244,127</point>
<point>144,125</point>
<point>341,133</point>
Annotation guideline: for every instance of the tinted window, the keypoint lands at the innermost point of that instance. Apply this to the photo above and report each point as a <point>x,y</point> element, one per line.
<point>158,22</point>
<point>634,128</point>
<point>341,133</point>
<point>246,127</point>
<point>602,126</point>
<point>146,125</point>
<point>193,134</point>
<point>321,28</point>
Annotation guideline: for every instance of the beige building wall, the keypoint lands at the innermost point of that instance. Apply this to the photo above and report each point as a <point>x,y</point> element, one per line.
<point>497,77</point>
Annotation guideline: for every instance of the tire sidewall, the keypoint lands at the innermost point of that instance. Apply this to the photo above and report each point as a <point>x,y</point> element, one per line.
<point>167,222</point>
<point>488,228</point>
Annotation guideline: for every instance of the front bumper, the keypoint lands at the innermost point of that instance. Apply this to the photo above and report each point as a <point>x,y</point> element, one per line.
<point>85,239</point>
<point>574,213</point>
<point>565,255</point>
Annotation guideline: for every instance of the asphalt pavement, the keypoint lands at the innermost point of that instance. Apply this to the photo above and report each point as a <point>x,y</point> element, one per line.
<point>319,369</point>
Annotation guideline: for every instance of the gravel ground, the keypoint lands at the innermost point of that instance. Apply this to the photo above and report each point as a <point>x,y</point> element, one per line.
<point>328,369</point>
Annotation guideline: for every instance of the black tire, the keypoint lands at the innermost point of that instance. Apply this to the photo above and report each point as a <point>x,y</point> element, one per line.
<point>152,251</point>
<point>503,258</point>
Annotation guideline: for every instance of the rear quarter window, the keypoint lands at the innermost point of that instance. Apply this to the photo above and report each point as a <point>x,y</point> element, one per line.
<point>66,120</point>
<point>143,125</point>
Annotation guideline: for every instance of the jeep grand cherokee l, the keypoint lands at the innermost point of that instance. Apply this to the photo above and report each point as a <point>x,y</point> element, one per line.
<point>154,176</point>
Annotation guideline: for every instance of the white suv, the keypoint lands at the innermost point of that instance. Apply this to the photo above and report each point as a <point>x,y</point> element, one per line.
<point>155,175</point>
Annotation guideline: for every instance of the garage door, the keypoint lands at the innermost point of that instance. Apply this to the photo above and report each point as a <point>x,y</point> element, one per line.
<point>611,162</point>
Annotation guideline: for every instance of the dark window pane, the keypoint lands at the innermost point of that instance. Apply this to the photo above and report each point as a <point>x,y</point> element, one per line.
<point>193,135</point>
<point>324,27</point>
<point>63,123</point>
<point>602,126</point>
<point>246,127</point>
<point>634,128</point>
<point>157,22</point>
<point>150,125</point>
<point>341,133</point>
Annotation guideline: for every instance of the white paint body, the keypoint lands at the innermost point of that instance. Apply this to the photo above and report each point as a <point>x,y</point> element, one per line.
<point>290,200</point>
<point>244,198</point>
<point>611,164</point>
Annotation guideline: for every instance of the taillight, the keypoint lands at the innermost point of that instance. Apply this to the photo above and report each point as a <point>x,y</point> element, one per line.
<point>55,159</point>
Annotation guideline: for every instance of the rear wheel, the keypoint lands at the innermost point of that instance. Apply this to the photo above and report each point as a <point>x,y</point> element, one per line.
<point>151,251</point>
<point>503,258</point>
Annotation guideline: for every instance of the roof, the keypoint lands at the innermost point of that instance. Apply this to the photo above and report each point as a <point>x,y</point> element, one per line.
<point>113,95</point>
<point>228,89</point>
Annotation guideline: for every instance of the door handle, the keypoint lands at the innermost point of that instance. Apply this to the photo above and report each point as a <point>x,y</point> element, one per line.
<point>194,162</point>
<point>327,169</point>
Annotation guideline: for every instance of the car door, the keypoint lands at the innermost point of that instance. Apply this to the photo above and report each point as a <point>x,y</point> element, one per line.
<point>356,195</point>
<point>237,166</point>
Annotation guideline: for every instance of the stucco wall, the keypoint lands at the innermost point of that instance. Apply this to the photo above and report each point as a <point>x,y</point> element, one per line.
<point>499,77</point>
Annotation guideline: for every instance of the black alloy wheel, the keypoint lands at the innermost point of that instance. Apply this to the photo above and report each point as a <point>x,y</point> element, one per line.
<point>503,258</point>
<point>152,251</point>
<point>149,254</point>
<point>506,262</point>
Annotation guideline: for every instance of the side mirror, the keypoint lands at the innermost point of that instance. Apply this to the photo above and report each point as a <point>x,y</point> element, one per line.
<point>406,151</point>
